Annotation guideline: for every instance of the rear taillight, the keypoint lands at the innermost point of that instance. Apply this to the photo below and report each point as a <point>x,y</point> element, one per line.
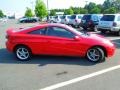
<point>7,36</point>
<point>90,22</point>
<point>114,24</point>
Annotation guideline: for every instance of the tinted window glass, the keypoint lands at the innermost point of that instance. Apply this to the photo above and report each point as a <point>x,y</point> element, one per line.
<point>38,32</point>
<point>108,18</point>
<point>86,17</point>
<point>118,18</point>
<point>62,17</point>
<point>68,17</point>
<point>79,17</point>
<point>73,16</point>
<point>95,18</point>
<point>56,17</point>
<point>59,32</point>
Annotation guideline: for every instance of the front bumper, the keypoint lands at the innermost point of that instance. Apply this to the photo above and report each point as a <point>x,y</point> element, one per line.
<point>112,29</point>
<point>110,51</point>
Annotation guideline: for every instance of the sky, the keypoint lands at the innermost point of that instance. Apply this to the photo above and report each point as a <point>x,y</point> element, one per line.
<point>18,7</point>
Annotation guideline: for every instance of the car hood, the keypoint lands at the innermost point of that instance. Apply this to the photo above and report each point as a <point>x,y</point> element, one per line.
<point>96,39</point>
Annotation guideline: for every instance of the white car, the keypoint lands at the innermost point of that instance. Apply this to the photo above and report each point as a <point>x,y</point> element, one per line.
<point>58,18</point>
<point>65,19</point>
<point>3,19</point>
<point>75,20</point>
<point>110,22</point>
<point>52,19</point>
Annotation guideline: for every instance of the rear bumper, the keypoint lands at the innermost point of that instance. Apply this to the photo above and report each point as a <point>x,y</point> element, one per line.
<point>9,46</point>
<point>112,29</point>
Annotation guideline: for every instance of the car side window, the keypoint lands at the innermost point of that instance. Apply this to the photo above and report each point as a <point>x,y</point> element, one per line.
<point>39,32</point>
<point>59,32</point>
<point>79,17</point>
<point>95,18</point>
<point>118,18</point>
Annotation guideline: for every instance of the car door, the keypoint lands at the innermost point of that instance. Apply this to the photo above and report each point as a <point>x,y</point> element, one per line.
<point>61,42</point>
<point>37,41</point>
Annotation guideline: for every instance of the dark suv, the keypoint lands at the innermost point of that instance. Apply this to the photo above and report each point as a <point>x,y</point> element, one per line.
<point>90,21</point>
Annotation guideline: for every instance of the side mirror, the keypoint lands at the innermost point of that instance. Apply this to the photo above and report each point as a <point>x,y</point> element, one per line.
<point>77,38</point>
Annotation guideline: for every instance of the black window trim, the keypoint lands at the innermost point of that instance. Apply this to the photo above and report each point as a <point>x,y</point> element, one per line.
<point>45,28</point>
<point>62,28</point>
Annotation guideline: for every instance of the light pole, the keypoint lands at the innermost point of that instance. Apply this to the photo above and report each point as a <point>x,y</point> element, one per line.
<point>86,2</point>
<point>48,11</point>
<point>32,5</point>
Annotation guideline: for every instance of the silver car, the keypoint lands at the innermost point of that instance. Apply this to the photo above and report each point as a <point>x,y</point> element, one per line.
<point>65,19</point>
<point>110,22</point>
<point>76,20</point>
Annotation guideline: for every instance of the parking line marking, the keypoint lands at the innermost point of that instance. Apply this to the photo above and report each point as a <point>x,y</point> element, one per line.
<point>78,79</point>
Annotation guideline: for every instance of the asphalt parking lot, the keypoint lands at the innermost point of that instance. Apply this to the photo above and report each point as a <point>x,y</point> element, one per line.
<point>42,72</point>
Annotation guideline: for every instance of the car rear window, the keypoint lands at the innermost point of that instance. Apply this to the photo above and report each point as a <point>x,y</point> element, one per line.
<point>108,18</point>
<point>73,16</point>
<point>56,17</point>
<point>69,17</point>
<point>79,17</point>
<point>62,17</point>
<point>86,17</point>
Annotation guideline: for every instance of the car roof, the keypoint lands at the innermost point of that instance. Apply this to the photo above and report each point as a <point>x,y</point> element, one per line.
<point>51,24</point>
<point>116,15</point>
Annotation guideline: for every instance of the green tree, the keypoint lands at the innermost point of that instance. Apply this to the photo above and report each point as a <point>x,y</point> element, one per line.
<point>95,10</point>
<point>52,12</point>
<point>28,12</point>
<point>1,13</point>
<point>40,9</point>
<point>83,11</point>
<point>107,4</point>
<point>90,6</point>
<point>116,5</point>
<point>111,10</point>
<point>68,11</point>
<point>76,10</point>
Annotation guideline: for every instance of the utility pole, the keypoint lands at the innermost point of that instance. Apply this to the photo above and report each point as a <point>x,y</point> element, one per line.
<point>32,5</point>
<point>86,2</point>
<point>48,10</point>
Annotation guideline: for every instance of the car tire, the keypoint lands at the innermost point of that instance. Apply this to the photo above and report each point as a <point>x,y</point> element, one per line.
<point>118,33</point>
<point>95,54</point>
<point>22,53</point>
<point>95,28</point>
<point>103,32</point>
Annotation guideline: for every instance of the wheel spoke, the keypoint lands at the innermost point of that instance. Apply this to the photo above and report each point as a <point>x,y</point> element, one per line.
<point>22,53</point>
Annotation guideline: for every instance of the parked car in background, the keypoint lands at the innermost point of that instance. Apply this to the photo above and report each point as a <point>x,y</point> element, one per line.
<point>58,40</point>
<point>51,19</point>
<point>65,19</point>
<point>58,18</point>
<point>75,20</point>
<point>111,23</point>
<point>90,21</point>
<point>28,20</point>
<point>4,19</point>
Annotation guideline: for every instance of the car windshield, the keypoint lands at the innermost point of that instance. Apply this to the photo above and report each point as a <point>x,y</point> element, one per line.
<point>77,31</point>
<point>108,18</point>
<point>56,17</point>
<point>62,17</point>
<point>86,17</point>
<point>68,17</point>
<point>73,16</point>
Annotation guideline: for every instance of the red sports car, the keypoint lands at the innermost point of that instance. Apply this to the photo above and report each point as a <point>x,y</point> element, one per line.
<point>57,39</point>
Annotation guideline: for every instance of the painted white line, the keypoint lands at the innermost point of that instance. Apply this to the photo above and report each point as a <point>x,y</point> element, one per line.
<point>52,87</point>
